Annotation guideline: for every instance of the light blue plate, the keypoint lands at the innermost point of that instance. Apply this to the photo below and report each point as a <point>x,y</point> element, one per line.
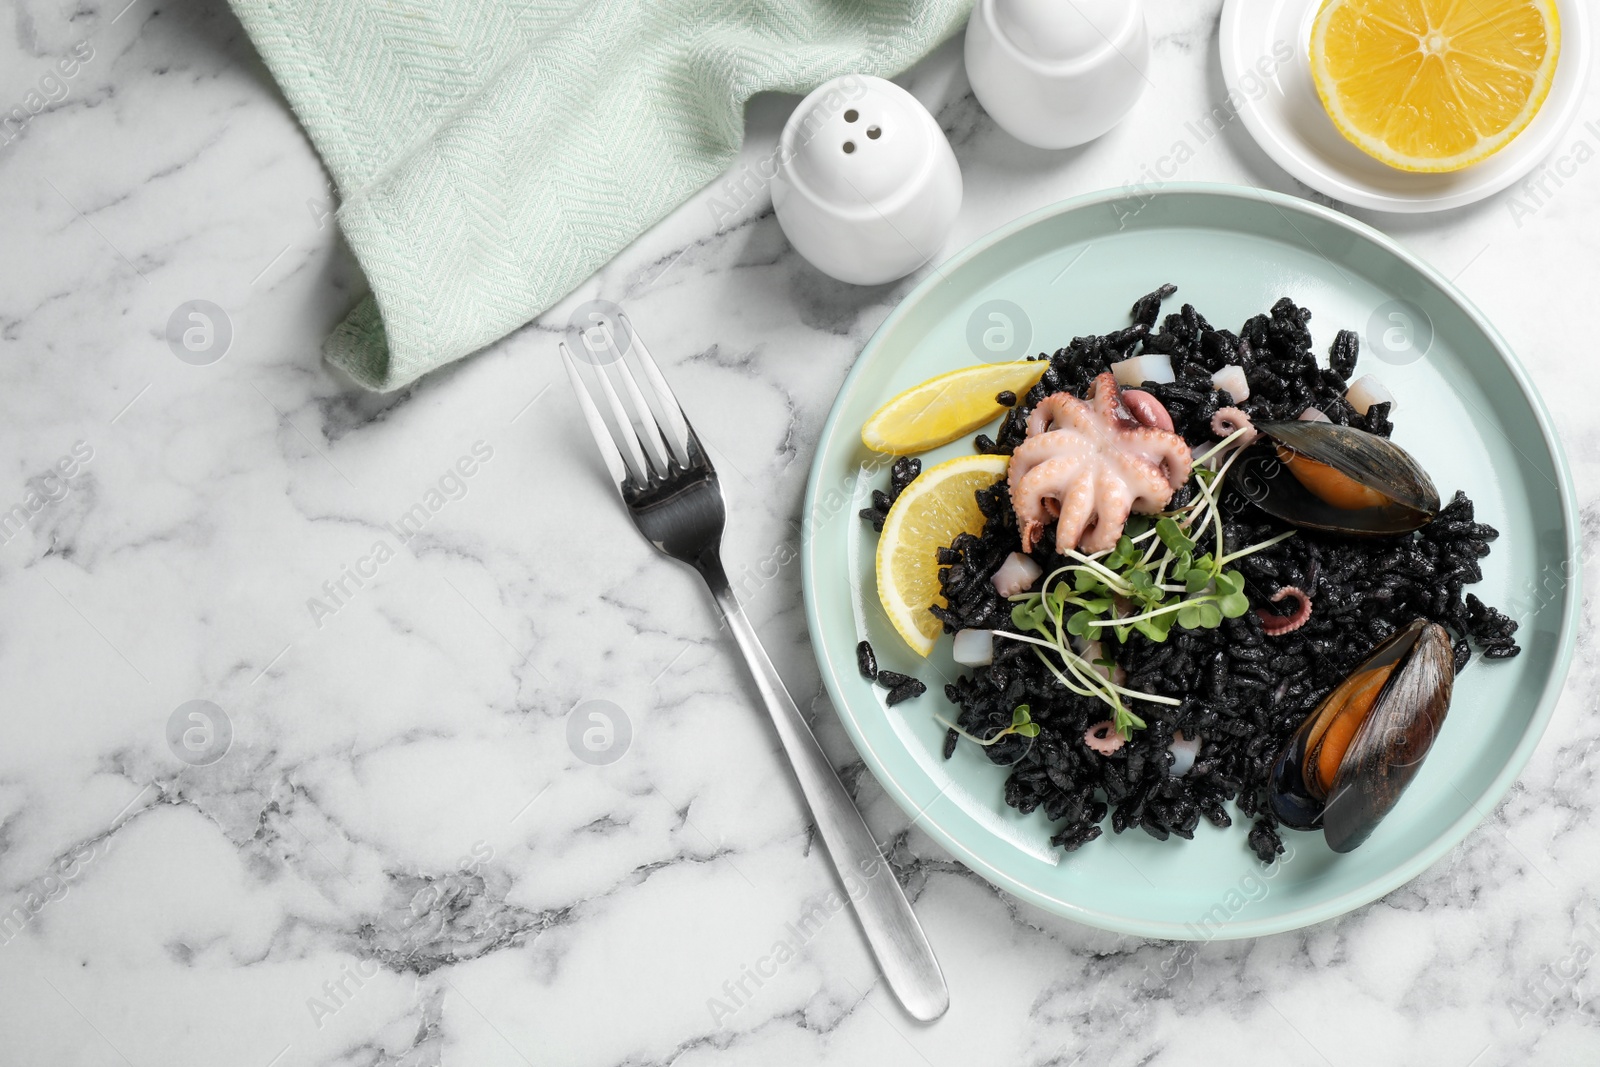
<point>1466,409</point>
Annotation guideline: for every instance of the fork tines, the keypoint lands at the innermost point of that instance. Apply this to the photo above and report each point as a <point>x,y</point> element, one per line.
<point>641,428</point>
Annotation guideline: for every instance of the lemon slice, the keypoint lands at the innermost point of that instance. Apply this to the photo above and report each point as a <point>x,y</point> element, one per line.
<point>943,408</point>
<point>1434,85</point>
<point>927,516</point>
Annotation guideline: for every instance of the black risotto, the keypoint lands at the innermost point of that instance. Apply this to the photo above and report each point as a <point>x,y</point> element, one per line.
<point>1242,692</point>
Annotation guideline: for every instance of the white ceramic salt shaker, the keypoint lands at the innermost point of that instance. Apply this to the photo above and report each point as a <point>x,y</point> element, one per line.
<point>1057,73</point>
<point>867,188</point>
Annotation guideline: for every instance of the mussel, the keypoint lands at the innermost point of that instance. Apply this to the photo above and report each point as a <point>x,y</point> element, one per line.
<point>1348,763</point>
<point>1330,477</point>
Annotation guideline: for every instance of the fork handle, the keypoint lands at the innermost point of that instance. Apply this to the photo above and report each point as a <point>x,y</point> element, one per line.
<point>892,929</point>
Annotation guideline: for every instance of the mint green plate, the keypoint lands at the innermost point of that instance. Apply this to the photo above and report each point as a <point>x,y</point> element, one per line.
<point>1466,409</point>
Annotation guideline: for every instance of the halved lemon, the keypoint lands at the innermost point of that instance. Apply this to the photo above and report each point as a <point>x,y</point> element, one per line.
<point>1434,85</point>
<point>927,516</point>
<point>944,407</point>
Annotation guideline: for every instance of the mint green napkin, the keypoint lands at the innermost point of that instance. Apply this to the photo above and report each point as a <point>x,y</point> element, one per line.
<point>490,155</point>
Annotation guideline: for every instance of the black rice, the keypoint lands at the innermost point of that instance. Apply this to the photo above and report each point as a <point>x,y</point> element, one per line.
<point>907,689</point>
<point>866,661</point>
<point>901,687</point>
<point>902,474</point>
<point>1243,692</point>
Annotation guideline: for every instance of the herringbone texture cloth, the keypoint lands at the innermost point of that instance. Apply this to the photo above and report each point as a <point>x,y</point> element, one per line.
<point>490,154</point>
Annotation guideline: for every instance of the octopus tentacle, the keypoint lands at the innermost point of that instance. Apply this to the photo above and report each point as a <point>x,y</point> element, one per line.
<point>1166,451</point>
<point>1051,413</point>
<point>1103,737</point>
<point>1077,508</point>
<point>1036,496</point>
<point>1149,487</point>
<point>1112,505</point>
<point>1231,420</point>
<point>1105,397</point>
<point>1036,450</point>
<point>1277,625</point>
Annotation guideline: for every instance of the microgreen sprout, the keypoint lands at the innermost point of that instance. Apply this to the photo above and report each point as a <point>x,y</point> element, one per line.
<point>1022,725</point>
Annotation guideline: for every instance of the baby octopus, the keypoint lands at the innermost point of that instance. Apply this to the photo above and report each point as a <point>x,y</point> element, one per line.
<point>1087,465</point>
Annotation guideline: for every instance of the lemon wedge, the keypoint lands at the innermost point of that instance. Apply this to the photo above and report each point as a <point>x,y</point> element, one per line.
<point>1434,85</point>
<point>925,517</point>
<point>944,407</point>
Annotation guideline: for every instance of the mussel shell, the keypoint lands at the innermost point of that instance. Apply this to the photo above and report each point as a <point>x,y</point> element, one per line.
<point>1290,798</point>
<point>1411,501</point>
<point>1296,803</point>
<point>1387,748</point>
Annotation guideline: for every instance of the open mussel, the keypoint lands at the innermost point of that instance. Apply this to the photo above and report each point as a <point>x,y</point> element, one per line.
<point>1348,763</point>
<point>1330,477</point>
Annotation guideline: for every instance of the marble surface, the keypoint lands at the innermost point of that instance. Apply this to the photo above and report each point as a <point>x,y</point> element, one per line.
<point>395,855</point>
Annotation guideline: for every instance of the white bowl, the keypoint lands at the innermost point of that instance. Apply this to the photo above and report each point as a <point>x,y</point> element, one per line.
<point>1057,73</point>
<point>867,187</point>
<point>1266,62</point>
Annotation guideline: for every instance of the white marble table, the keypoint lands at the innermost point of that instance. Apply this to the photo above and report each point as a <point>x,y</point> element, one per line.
<point>398,859</point>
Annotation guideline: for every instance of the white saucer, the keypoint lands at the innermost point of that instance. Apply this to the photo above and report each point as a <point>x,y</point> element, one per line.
<point>1279,106</point>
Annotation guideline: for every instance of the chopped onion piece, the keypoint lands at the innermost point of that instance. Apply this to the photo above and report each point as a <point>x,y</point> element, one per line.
<point>1184,750</point>
<point>1232,379</point>
<point>973,648</point>
<point>1150,367</point>
<point>1314,415</point>
<point>1016,575</point>
<point>1367,391</point>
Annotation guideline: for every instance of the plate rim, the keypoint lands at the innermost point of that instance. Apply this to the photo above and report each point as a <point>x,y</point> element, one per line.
<point>1336,184</point>
<point>1478,808</point>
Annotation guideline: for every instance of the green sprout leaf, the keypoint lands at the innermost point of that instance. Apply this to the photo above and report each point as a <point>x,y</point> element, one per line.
<point>1126,722</point>
<point>1122,554</point>
<point>1180,568</point>
<point>1155,628</point>
<point>1028,614</point>
<point>1022,725</point>
<point>1233,605</point>
<point>1172,535</point>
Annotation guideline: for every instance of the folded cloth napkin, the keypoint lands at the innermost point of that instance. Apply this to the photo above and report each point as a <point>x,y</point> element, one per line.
<point>491,154</point>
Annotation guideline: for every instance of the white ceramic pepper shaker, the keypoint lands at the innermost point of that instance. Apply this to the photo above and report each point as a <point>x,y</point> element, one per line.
<point>1057,73</point>
<point>867,188</point>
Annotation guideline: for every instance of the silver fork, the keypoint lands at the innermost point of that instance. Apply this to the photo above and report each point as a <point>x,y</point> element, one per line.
<point>674,498</point>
